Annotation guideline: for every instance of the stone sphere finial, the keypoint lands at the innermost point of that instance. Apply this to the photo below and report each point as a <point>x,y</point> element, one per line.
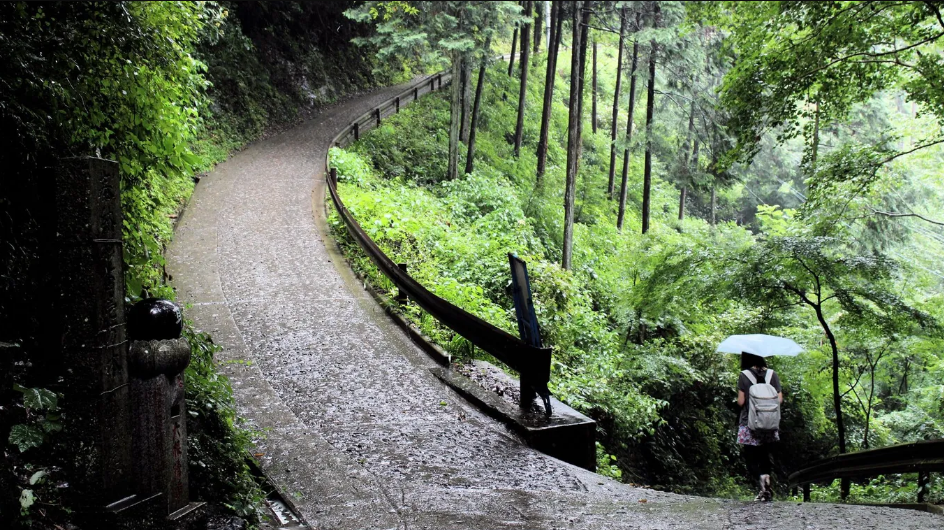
<point>155,319</point>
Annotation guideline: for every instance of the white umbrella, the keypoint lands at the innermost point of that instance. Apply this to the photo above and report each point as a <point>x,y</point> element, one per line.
<point>760,345</point>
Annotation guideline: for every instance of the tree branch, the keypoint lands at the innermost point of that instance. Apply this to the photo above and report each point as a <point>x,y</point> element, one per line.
<point>917,148</point>
<point>799,293</point>
<point>899,214</point>
<point>937,12</point>
<point>872,54</point>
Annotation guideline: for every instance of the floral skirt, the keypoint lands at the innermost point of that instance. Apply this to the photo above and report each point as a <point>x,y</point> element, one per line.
<point>749,437</point>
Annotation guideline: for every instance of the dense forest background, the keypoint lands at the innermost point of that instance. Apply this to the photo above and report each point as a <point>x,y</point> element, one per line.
<point>698,170</point>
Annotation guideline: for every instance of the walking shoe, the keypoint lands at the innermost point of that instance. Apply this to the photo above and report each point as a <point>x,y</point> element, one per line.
<point>762,494</point>
<point>766,491</point>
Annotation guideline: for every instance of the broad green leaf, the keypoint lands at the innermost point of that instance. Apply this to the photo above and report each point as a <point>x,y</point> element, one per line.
<point>25,437</point>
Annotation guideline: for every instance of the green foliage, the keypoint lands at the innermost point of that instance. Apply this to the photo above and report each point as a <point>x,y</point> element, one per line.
<point>41,409</point>
<point>26,437</point>
<point>606,464</point>
<point>633,326</point>
<point>454,236</point>
<point>217,444</point>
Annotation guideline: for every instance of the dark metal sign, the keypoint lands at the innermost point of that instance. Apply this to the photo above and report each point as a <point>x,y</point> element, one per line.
<point>524,305</point>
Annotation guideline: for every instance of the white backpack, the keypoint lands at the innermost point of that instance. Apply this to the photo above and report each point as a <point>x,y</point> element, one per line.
<point>763,404</point>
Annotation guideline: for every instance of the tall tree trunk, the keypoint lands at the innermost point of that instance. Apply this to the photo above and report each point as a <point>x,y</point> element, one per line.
<point>693,167</point>
<point>593,119</point>
<point>523,88</point>
<point>553,45</point>
<point>470,154</point>
<point>616,95</point>
<point>713,205</point>
<point>629,131</point>
<point>537,28</point>
<point>815,149</point>
<point>525,45</point>
<point>837,397</point>
<point>573,135</point>
<point>548,21</point>
<point>650,108</point>
<point>455,109</point>
<point>584,45</point>
<point>466,97</point>
<point>686,169</point>
<point>511,57</point>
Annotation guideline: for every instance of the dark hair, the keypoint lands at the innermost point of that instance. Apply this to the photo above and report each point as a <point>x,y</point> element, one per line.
<point>749,360</point>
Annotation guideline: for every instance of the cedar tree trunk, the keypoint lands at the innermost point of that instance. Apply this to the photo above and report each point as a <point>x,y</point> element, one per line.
<point>455,109</point>
<point>470,154</point>
<point>573,136</point>
<point>553,45</point>
<point>629,132</point>
<point>616,95</point>
<point>593,118</point>
<point>650,108</point>
<point>523,90</point>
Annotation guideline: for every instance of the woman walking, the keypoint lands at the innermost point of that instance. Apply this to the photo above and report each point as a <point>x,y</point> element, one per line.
<point>756,443</point>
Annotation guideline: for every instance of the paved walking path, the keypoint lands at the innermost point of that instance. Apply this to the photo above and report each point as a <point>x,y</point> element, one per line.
<point>358,433</point>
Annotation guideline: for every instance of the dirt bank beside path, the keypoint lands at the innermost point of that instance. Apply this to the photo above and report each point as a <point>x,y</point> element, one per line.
<point>358,433</point>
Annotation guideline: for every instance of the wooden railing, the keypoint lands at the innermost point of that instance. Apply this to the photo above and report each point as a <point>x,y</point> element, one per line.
<point>532,363</point>
<point>918,457</point>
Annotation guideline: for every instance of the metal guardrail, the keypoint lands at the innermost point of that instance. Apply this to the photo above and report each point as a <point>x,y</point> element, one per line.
<point>532,363</point>
<point>918,457</point>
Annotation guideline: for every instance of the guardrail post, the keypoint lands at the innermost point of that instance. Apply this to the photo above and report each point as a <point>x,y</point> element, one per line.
<point>924,481</point>
<point>806,492</point>
<point>432,84</point>
<point>401,296</point>
<point>439,80</point>
<point>357,131</point>
<point>416,93</point>
<point>377,112</point>
<point>333,175</point>
<point>396,102</point>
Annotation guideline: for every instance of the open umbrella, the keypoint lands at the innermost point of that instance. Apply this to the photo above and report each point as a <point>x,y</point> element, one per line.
<point>760,345</point>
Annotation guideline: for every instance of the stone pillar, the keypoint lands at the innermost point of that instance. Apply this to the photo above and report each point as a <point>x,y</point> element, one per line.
<point>159,418</point>
<point>90,329</point>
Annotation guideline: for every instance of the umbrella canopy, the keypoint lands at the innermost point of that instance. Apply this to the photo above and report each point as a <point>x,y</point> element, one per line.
<point>760,345</point>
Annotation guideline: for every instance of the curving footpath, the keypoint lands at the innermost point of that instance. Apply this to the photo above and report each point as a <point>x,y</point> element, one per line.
<point>357,433</point>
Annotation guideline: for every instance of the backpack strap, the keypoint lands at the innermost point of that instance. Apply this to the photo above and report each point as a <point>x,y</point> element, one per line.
<point>770,373</point>
<point>750,376</point>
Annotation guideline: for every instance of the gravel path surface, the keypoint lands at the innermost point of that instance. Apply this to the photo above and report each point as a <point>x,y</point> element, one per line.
<point>358,433</point>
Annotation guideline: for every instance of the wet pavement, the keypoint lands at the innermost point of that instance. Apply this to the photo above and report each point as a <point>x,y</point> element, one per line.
<point>355,430</point>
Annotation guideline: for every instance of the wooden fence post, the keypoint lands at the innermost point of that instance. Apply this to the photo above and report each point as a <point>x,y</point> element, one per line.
<point>396,102</point>
<point>806,492</point>
<point>401,296</point>
<point>416,93</point>
<point>924,482</point>
<point>333,175</point>
<point>357,131</point>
